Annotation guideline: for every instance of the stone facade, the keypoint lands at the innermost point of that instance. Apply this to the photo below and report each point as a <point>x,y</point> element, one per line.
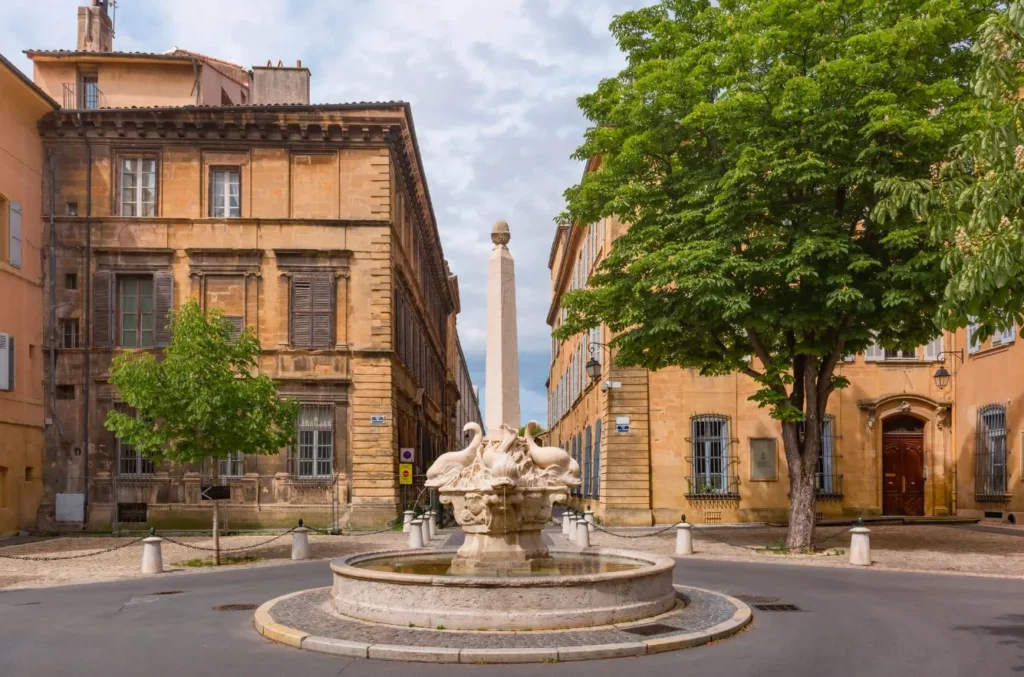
<point>898,443</point>
<point>312,226</point>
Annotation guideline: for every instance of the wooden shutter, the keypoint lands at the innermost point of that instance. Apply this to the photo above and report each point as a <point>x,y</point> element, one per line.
<point>301,312</point>
<point>14,249</point>
<point>323,311</point>
<point>163,303</point>
<point>103,309</point>
<point>237,326</point>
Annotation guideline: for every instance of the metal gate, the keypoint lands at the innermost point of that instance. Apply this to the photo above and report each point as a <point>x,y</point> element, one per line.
<point>70,508</point>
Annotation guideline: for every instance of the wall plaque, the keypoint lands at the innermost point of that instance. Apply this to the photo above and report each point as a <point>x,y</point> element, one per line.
<point>764,459</point>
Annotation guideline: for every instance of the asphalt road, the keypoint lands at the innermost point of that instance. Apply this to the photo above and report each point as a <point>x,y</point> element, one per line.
<point>853,622</point>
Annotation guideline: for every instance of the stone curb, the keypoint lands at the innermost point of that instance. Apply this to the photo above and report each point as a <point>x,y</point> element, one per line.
<point>266,626</point>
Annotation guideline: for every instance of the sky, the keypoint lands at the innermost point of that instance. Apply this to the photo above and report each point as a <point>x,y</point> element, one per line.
<point>492,85</point>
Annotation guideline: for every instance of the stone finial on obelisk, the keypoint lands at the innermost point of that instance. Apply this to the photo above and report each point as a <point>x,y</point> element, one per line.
<point>502,374</point>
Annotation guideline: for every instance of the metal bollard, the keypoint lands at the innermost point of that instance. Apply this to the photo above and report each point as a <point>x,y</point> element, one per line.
<point>425,529</point>
<point>300,542</point>
<point>582,534</point>
<point>415,534</point>
<point>432,524</point>
<point>565,523</point>
<point>860,545</point>
<point>406,519</point>
<point>684,539</point>
<point>588,515</point>
<point>152,556</point>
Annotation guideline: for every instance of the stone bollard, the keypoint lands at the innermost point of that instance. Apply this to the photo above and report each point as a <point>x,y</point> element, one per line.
<point>582,534</point>
<point>415,534</point>
<point>406,519</point>
<point>565,523</point>
<point>425,529</point>
<point>860,545</point>
<point>588,515</point>
<point>152,556</point>
<point>432,524</point>
<point>684,540</point>
<point>300,542</point>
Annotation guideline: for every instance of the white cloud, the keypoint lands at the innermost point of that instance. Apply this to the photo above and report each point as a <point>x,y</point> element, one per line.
<point>492,86</point>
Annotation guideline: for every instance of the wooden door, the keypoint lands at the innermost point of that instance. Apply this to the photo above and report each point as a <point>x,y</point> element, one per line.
<point>902,474</point>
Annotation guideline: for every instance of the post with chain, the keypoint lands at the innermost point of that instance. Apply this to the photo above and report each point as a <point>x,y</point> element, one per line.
<point>300,542</point>
<point>152,557</point>
<point>684,538</point>
<point>860,545</point>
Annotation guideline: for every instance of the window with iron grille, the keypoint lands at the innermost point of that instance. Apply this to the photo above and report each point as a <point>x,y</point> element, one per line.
<point>990,481</point>
<point>828,482</point>
<point>595,473</point>
<point>233,465</point>
<point>69,333</point>
<point>709,437</point>
<point>588,459</point>
<point>130,461</point>
<point>315,457</point>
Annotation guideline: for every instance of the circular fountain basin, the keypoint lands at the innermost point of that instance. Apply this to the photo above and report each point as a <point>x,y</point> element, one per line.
<point>567,590</point>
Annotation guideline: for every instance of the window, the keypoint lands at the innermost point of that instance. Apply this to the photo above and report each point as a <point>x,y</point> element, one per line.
<point>588,461</point>
<point>65,392</point>
<point>225,192</point>
<point>71,208</point>
<point>71,281</point>
<point>892,354</point>
<point>973,345</point>
<point>312,316</point>
<point>3,486</point>
<point>1002,338</point>
<point>710,462</point>
<point>89,98</point>
<point>138,187</point>
<point>934,348</point>
<point>316,440</point>
<point>990,481</point>
<point>233,465</point>
<point>69,335</point>
<point>135,310</point>
<point>595,473</point>
<point>827,480</point>
<point>13,232</point>
<point>129,460</point>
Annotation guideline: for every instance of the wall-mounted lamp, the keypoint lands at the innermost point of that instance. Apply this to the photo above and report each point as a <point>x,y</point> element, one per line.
<point>942,374</point>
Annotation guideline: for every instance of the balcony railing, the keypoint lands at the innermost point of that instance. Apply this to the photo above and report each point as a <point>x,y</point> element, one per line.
<point>713,486</point>
<point>82,95</point>
<point>829,487</point>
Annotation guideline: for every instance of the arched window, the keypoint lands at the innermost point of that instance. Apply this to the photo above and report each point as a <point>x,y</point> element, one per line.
<point>595,481</point>
<point>587,461</point>
<point>709,440</point>
<point>990,454</point>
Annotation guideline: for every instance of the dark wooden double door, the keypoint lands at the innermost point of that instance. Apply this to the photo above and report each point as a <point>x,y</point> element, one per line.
<point>902,473</point>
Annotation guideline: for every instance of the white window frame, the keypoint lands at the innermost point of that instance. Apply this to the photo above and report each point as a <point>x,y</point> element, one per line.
<point>232,466</point>
<point>702,448</point>
<point>314,452</point>
<point>14,236</point>
<point>972,329</point>
<point>230,177</point>
<point>135,166</point>
<point>1005,337</point>
<point>144,467</point>
<point>934,348</point>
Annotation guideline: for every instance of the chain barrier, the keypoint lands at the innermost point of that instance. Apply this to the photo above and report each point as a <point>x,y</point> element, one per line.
<point>244,547</point>
<point>656,533</point>
<point>339,532</point>
<point>842,531</point>
<point>30,558</point>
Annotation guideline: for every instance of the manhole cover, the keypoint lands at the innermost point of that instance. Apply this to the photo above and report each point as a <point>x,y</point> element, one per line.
<point>235,607</point>
<point>756,599</point>
<point>168,592</point>
<point>649,630</point>
<point>777,607</point>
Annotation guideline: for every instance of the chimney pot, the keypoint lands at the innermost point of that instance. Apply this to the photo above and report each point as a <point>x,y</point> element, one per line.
<point>269,64</point>
<point>280,64</point>
<point>298,63</point>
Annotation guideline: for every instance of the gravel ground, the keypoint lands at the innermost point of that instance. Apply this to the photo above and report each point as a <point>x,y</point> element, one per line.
<point>125,563</point>
<point>938,548</point>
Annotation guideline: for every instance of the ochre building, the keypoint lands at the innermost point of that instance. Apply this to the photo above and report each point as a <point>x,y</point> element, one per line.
<point>311,225</point>
<point>655,445</point>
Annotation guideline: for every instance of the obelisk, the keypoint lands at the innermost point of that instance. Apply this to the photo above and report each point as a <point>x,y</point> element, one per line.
<point>502,374</point>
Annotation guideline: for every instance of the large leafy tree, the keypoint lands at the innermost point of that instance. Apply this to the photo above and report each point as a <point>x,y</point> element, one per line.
<point>203,399</point>
<point>974,200</point>
<point>742,144</point>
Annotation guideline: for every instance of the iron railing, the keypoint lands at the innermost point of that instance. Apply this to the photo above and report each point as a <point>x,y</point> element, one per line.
<point>829,486</point>
<point>82,95</point>
<point>713,486</point>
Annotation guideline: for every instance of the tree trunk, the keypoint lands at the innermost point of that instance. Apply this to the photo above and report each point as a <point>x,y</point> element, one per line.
<point>801,508</point>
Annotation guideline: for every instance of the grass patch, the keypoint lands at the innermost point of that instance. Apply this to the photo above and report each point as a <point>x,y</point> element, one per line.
<point>224,561</point>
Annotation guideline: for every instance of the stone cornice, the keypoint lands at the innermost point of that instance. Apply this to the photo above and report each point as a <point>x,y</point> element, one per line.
<point>312,260</point>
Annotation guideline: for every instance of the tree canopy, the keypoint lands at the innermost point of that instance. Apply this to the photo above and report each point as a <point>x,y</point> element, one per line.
<point>204,398</point>
<point>743,145</point>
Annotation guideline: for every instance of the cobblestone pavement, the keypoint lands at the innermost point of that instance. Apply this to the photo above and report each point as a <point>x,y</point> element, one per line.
<point>126,562</point>
<point>920,547</point>
<point>310,613</point>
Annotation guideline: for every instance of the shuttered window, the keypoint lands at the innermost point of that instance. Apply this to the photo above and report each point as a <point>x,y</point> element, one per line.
<point>595,472</point>
<point>14,225</point>
<point>312,311</point>
<point>135,312</point>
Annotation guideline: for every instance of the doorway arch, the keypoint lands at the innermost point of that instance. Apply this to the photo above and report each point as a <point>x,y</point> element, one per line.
<point>903,465</point>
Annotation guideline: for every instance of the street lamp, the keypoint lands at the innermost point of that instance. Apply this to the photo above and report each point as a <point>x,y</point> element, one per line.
<point>593,365</point>
<point>942,374</point>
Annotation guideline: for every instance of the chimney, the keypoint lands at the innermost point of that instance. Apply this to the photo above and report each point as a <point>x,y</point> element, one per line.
<point>280,84</point>
<point>95,32</point>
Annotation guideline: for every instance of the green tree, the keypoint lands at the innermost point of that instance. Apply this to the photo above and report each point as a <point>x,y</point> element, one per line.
<point>973,200</point>
<point>203,399</point>
<point>742,144</point>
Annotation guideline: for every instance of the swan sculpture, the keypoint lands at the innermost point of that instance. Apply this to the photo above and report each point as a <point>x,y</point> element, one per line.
<point>455,461</point>
<point>552,458</point>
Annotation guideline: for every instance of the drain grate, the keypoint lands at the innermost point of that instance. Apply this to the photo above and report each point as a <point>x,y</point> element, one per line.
<point>777,607</point>
<point>650,630</point>
<point>168,592</point>
<point>756,599</point>
<point>235,607</point>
